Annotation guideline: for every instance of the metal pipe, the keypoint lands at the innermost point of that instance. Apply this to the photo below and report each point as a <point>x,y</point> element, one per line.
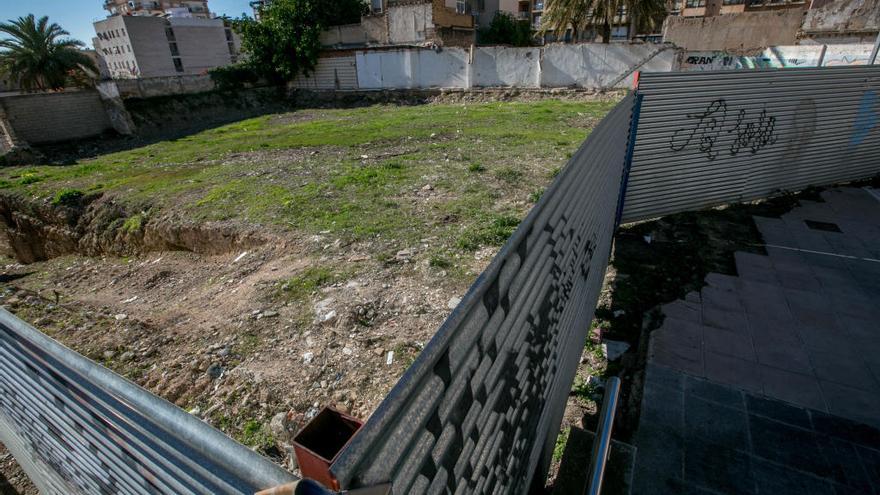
<point>602,441</point>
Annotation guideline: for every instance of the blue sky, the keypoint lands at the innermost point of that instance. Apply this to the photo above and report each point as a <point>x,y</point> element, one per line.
<point>77,16</point>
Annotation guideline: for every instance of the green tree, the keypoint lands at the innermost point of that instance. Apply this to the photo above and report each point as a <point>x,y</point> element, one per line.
<point>41,56</point>
<point>506,30</point>
<point>580,15</point>
<point>286,40</point>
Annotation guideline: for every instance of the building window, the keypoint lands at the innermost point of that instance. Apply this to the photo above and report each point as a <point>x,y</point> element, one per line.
<point>169,34</point>
<point>178,65</point>
<point>123,32</point>
<point>693,4</point>
<point>174,51</point>
<point>231,48</point>
<point>228,35</point>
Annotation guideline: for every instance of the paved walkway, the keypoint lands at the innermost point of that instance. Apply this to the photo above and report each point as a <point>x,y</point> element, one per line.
<point>769,382</point>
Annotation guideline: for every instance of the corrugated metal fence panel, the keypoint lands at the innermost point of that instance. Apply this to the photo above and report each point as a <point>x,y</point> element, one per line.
<point>711,138</point>
<point>77,428</point>
<point>479,410</point>
<point>330,73</point>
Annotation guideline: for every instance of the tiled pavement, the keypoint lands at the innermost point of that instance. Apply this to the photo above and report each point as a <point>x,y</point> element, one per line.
<point>750,378</point>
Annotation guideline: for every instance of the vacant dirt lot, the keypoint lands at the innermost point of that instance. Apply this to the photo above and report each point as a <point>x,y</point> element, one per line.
<point>280,263</point>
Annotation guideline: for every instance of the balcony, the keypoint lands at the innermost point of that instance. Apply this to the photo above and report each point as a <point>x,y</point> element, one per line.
<point>539,6</point>
<point>523,16</point>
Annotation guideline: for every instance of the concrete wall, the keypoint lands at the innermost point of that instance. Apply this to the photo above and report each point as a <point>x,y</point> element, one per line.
<point>843,18</point>
<point>501,66</point>
<point>164,86</point>
<point>410,23</point>
<point>50,117</point>
<point>778,57</point>
<point>746,31</point>
<point>348,34</point>
<point>412,68</point>
<point>588,65</point>
<point>599,65</point>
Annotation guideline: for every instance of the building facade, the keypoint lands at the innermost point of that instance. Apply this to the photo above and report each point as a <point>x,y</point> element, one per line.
<point>194,8</point>
<point>146,46</point>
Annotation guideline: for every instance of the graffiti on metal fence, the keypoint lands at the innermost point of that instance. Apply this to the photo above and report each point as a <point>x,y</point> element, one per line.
<point>866,118</point>
<point>750,132</point>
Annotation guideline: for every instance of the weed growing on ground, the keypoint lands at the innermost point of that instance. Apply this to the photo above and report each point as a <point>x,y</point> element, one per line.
<point>509,175</point>
<point>67,197</point>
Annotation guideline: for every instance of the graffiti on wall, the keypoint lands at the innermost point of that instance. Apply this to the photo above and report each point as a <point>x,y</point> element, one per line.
<point>748,132</point>
<point>866,119</point>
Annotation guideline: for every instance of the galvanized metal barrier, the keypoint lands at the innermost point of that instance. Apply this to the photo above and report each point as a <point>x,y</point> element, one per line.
<point>602,440</point>
<point>710,138</point>
<point>479,410</point>
<point>76,427</point>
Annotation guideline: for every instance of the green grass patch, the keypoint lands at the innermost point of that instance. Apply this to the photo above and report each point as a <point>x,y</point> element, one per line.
<point>509,175</point>
<point>134,223</point>
<point>67,197</point>
<point>561,441</point>
<point>492,232</point>
<point>307,282</point>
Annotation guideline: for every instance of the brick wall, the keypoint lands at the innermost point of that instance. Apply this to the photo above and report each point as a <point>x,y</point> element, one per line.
<point>51,117</point>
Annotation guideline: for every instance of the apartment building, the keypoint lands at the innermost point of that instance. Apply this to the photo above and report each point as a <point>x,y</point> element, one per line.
<point>711,8</point>
<point>195,8</point>
<point>146,46</point>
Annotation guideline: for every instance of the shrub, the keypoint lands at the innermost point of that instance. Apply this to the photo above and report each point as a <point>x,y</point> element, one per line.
<point>233,77</point>
<point>67,197</point>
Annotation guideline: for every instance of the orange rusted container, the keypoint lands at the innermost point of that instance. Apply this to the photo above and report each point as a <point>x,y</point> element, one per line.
<point>319,443</point>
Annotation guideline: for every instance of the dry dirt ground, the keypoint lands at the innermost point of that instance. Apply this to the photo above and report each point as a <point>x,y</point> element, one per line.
<point>307,313</point>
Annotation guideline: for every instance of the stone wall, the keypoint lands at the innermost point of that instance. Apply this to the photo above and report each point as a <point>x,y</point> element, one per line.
<point>52,117</point>
<point>735,32</point>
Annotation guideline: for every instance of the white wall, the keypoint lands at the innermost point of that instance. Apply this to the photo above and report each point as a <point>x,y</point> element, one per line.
<point>408,23</point>
<point>502,66</point>
<point>413,68</point>
<point>597,65</point>
<point>591,65</point>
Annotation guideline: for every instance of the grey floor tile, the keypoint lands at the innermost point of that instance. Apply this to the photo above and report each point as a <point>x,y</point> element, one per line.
<point>664,377</point>
<point>845,369</point>
<point>783,354</point>
<point>717,468</point>
<point>843,463</point>
<point>659,449</point>
<point>852,403</point>
<point>794,448</point>
<point>723,282</point>
<point>730,343</point>
<point>734,321</point>
<point>826,337</point>
<point>663,406</point>
<point>732,371</point>
<point>795,388</point>
<point>681,332</point>
<point>870,460</point>
<point>845,429</point>
<point>772,479</point>
<point>798,280</point>
<point>752,260</point>
<point>679,357</point>
<point>713,297</point>
<point>767,329</point>
<point>716,424</point>
<point>778,411</point>
<point>714,392</point>
<point>683,310</point>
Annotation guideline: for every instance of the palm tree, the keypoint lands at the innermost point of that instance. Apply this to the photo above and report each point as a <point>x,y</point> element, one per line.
<point>580,15</point>
<point>39,55</point>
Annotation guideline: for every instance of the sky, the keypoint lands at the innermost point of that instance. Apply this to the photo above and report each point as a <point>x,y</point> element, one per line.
<point>77,16</point>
